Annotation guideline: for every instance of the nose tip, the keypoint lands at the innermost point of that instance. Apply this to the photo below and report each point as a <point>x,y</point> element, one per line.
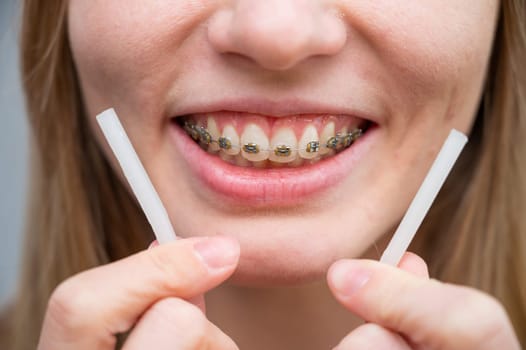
<point>277,34</point>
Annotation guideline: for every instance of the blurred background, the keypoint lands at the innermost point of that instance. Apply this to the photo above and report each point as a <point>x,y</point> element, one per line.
<point>13,150</point>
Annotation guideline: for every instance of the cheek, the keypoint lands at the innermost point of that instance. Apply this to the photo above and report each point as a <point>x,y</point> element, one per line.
<point>125,50</point>
<point>427,48</point>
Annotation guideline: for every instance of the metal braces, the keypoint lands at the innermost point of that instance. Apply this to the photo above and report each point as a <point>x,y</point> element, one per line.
<point>336,143</point>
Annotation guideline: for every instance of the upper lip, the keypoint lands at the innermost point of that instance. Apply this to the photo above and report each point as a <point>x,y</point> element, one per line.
<point>270,107</point>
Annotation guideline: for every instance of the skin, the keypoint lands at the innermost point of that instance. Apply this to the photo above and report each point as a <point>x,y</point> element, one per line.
<point>417,66</point>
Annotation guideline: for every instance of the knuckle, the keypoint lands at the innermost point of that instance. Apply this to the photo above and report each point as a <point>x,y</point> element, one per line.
<point>475,317</point>
<point>68,304</point>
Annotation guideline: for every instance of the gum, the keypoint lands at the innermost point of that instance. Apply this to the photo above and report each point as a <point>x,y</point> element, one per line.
<point>270,125</point>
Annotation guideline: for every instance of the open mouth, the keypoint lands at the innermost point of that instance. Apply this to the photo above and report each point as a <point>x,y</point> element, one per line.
<point>267,142</point>
<point>255,160</point>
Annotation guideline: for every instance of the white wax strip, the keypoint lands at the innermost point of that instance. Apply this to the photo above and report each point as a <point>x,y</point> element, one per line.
<point>136,175</point>
<point>425,196</point>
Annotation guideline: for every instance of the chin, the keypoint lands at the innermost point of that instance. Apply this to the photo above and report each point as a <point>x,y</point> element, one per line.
<point>283,267</point>
<point>288,258</point>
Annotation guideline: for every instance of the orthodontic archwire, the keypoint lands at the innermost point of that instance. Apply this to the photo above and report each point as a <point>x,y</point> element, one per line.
<point>337,142</point>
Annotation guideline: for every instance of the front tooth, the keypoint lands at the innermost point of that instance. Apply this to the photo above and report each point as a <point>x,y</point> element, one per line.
<point>283,146</point>
<point>254,143</point>
<point>343,138</point>
<point>309,145</point>
<point>230,134</point>
<point>213,130</point>
<point>326,134</point>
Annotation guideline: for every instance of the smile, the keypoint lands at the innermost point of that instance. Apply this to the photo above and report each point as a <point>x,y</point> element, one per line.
<point>264,142</point>
<point>255,160</point>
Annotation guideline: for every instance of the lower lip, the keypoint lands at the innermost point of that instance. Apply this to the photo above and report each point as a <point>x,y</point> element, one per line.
<point>269,187</point>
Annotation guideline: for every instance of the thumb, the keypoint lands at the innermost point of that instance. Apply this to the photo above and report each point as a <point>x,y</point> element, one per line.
<point>426,312</point>
<point>88,309</point>
<point>198,300</point>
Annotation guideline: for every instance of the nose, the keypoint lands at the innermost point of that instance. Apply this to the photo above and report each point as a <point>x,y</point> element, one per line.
<point>277,34</point>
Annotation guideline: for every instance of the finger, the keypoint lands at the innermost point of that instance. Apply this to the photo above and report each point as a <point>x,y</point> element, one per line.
<point>154,244</point>
<point>88,309</point>
<point>426,312</point>
<point>173,323</point>
<point>371,336</point>
<point>414,264</point>
<point>198,300</point>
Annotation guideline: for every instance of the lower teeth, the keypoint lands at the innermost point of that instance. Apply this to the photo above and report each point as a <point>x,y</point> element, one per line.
<point>336,143</point>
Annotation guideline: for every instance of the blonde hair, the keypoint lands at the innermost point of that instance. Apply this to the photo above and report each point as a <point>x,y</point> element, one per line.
<point>82,216</point>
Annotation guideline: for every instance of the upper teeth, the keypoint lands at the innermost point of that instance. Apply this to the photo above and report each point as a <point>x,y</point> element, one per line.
<point>283,147</point>
<point>309,144</point>
<point>231,140</point>
<point>325,138</point>
<point>255,143</point>
<point>213,129</point>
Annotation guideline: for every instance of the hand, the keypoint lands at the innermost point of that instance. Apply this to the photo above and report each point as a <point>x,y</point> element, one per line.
<point>407,310</point>
<point>149,292</point>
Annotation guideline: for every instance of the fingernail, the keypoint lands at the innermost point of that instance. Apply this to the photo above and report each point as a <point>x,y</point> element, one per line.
<point>153,244</point>
<point>347,278</point>
<point>218,252</point>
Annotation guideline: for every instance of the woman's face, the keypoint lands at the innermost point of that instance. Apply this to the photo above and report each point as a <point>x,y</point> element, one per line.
<point>291,74</point>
